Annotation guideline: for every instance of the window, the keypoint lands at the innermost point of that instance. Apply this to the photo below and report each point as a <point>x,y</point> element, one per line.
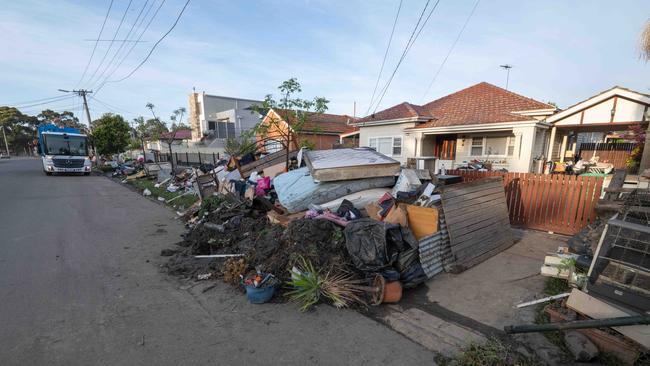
<point>477,146</point>
<point>397,146</point>
<point>272,146</point>
<point>511,145</point>
<point>390,146</point>
<point>496,145</point>
<point>223,129</point>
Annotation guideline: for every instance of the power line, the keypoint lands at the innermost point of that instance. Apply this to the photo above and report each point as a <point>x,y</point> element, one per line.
<point>18,104</point>
<point>155,45</point>
<point>383,62</point>
<point>111,107</point>
<point>109,64</point>
<point>113,41</point>
<point>44,103</point>
<point>451,49</point>
<point>132,46</point>
<point>414,36</point>
<point>96,42</point>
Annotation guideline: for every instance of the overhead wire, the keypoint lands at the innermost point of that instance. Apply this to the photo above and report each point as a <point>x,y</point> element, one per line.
<point>383,62</point>
<point>63,97</point>
<point>451,49</point>
<point>112,41</point>
<point>101,30</point>
<point>132,46</point>
<point>17,104</point>
<point>111,107</point>
<point>409,44</point>
<point>180,14</point>
<point>122,43</point>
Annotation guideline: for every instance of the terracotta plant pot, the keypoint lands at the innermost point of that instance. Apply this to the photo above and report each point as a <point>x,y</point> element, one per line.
<point>392,292</point>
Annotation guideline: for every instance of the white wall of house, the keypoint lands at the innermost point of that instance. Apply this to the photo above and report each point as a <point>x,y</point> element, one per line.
<point>378,137</point>
<point>512,148</point>
<point>226,109</point>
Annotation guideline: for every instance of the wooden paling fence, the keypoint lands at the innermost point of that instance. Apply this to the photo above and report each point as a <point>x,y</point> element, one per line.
<point>560,203</point>
<point>614,153</point>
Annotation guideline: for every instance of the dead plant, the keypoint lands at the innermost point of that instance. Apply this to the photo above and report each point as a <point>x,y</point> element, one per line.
<point>233,268</point>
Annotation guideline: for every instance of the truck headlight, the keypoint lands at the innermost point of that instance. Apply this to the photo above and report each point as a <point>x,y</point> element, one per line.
<point>87,162</point>
<point>48,160</point>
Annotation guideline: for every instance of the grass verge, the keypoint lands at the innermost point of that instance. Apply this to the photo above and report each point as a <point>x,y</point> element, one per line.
<point>179,203</point>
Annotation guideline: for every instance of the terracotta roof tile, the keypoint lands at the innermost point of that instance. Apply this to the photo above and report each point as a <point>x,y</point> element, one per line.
<point>403,110</point>
<point>183,134</point>
<point>321,122</point>
<point>480,103</point>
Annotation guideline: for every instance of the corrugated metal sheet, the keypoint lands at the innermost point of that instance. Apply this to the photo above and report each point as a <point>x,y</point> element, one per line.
<point>435,250</point>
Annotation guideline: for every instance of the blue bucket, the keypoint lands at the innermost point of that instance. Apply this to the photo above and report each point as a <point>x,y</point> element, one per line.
<point>259,295</point>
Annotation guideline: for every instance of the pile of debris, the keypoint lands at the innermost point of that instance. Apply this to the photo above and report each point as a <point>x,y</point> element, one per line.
<point>354,215</point>
<point>606,267</point>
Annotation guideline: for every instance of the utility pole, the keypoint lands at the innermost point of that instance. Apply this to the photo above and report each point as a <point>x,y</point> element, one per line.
<point>82,93</point>
<point>507,68</point>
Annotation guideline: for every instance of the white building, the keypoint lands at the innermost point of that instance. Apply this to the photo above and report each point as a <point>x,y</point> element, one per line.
<point>482,122</point>
<point>214,118</point>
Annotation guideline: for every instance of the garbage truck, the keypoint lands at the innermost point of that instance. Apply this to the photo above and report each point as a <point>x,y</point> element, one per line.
<point>63,150</point>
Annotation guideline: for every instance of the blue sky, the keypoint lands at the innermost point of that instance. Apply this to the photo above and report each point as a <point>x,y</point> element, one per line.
<point>563,51</point>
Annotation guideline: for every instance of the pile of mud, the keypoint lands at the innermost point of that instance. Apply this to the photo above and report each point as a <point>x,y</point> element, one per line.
<point>267,247</point>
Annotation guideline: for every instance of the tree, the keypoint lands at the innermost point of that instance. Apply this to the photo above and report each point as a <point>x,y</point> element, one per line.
<point>19,128</point>
<point>292,110</point>
<point>644,42</point>
<point>150,129</point>
<point>65,118</point>
<point>150,106</point>
<point>111,134</point>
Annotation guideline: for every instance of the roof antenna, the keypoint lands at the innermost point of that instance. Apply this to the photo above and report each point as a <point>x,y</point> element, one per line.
<point>507,68</point>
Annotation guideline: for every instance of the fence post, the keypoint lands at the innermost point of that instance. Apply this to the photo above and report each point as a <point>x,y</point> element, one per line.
<point>187,158</point>
<point>176,156</point>
<point>214,159</point>
<point>218,157</point>
<point>200,162</point>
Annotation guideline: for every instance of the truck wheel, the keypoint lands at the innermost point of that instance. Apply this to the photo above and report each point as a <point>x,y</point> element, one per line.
<point>86,173</point>
<point>48,173</point>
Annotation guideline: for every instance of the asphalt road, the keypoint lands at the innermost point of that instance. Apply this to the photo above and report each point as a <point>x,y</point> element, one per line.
<point>80,284</point>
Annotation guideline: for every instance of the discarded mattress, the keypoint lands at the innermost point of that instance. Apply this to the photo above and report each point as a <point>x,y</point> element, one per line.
<point>346,164</point>
<point>359,199</point>
<point>297,189</point>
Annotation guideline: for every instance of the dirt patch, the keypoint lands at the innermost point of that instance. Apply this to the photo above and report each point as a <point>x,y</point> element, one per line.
<point>235,228</point>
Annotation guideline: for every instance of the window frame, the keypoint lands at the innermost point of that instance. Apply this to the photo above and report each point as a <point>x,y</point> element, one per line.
<point>392,144</point>
<point>483,146</point>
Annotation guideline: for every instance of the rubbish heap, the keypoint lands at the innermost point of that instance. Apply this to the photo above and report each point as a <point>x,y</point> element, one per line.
<point>605,269</point>
<point>351,221</point>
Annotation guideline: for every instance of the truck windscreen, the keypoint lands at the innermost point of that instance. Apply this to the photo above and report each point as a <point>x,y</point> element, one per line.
<point>65,145</point>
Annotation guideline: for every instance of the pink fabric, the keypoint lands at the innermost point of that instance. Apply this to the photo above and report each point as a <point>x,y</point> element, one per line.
<point>262,185</point>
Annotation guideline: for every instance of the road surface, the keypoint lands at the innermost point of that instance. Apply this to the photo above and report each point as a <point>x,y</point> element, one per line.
<point>80,284</point>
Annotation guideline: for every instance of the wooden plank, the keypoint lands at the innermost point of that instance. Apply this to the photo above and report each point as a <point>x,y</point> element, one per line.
<point>599,309</point>
<point>467,214</point>
<point>478,238</point>
<point>478,200</point>
<point>464,197</point>
<point>452,191</point>
<point>481,214</point>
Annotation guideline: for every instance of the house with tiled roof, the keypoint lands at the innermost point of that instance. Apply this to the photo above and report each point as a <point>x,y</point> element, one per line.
<point>319,131</point>
<point>482,122</point>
